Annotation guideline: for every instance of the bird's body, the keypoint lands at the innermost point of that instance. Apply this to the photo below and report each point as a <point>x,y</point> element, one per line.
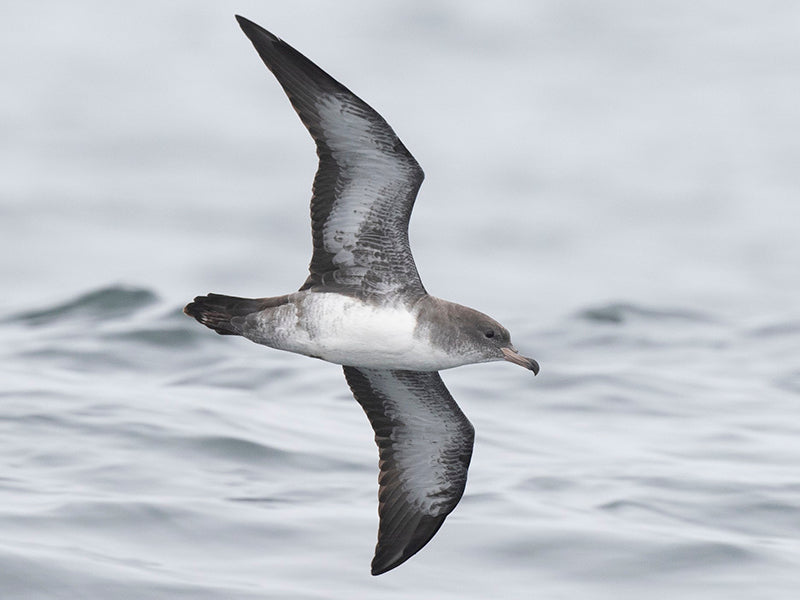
<point>363,306</point>
<point>345,330</point>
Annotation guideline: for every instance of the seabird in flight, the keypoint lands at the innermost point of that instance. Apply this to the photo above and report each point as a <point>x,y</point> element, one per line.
<point>363,306</point>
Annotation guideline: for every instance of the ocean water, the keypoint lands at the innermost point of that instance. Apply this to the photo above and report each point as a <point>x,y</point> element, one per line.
<point>616,182</point>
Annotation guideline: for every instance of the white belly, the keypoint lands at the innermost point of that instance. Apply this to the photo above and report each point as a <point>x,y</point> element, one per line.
<point>347,331</point>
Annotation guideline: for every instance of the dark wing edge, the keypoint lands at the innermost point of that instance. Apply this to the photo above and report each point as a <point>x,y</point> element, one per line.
<point>425,446</point>
<point>356,149</point>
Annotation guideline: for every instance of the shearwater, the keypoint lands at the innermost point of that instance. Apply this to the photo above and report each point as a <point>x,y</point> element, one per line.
<point>363,306</point>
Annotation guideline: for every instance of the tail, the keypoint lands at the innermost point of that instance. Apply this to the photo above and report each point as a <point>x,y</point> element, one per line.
<point>224,314</point>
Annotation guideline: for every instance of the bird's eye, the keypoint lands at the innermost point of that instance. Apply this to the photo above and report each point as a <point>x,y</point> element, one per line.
<point>489,333</point>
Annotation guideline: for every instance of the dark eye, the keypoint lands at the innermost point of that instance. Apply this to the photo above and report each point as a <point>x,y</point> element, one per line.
<point>489,333</point>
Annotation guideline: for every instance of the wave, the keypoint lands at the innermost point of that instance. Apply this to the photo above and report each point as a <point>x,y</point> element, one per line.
<point>105,303</point>
<point>621,312</point>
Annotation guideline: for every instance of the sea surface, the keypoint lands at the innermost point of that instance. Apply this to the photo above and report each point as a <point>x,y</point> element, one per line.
<point>617,182</point>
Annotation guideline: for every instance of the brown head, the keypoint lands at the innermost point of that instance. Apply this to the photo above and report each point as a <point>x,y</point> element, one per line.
<point>460,330</point>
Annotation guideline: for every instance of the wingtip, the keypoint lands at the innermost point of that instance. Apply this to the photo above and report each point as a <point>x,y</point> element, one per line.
<point>246,24</point>
<point>243,22</point>
<point>379,568</point>
<point>388,557</point>
<point>380,564</point>
<point>250,28</point>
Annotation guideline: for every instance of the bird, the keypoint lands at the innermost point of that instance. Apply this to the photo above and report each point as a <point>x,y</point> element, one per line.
<point>363,306</point>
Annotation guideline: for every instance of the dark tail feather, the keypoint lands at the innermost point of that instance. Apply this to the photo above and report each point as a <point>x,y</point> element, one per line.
<point>218,312</point>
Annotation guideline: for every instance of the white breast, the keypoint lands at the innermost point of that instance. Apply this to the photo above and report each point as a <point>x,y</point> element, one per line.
<point>348,331</point>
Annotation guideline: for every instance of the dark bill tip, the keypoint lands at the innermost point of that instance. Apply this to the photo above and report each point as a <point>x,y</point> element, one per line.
<point>523,361</point>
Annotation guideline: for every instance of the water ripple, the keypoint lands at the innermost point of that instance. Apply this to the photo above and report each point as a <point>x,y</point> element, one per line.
<point>99,305</point>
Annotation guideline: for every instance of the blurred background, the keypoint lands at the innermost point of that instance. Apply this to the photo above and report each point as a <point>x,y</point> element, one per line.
<point>616,182</point>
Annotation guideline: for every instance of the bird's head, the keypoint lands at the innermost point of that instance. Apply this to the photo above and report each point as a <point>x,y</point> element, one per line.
<point>477,336</point>
<point>494,340</point>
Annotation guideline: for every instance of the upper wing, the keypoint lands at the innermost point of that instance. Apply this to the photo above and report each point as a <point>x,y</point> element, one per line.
<point>365,185</point>
<point>424,444</point>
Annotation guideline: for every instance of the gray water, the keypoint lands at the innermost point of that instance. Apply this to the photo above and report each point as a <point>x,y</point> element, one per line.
<point>616,182</point>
